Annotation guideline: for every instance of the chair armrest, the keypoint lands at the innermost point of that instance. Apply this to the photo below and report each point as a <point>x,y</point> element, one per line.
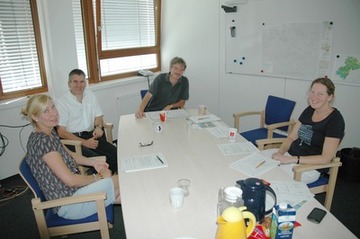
<point>75,143</point>
<point>240,114</point>
<point>298,169</point>
<point>100,158</point>
<point>108,132</point>
<point>237,116</point>
<point>38,205</point>
<point>109,125</point>
<point>71,142</point>
<point>272,127</point>
<point>269,143</point>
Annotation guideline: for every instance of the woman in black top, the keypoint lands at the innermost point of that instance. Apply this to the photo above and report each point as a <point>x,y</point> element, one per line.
<point>320,128</point>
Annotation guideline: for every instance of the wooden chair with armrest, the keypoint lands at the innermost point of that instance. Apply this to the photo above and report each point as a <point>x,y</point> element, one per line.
<point>323,184</point>
<point>50,224</point>
<point>275,116</point>
<point>77,144</point>
<point>108,127</point>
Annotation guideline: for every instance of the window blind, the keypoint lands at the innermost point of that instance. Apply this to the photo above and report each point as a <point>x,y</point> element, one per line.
<point>18,52</point>
<point>127,24</point>
<point>79,36</point>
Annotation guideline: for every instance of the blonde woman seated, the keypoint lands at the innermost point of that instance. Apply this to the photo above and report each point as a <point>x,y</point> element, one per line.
<point>317,134</point>
<point>55,167</point>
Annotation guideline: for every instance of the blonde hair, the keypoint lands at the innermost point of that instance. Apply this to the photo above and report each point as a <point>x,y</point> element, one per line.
<point>35,105</point>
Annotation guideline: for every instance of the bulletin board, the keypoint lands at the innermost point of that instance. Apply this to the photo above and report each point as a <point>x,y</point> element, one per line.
<point>294,39</point>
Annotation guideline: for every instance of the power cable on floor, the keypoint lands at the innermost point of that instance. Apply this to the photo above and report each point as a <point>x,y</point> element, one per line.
<point>7,194</point>
<point>4,141</point>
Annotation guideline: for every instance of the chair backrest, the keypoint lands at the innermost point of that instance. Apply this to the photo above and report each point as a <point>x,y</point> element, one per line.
<point>143,93</point>
<point>26,174</point>
<point>278,110</point>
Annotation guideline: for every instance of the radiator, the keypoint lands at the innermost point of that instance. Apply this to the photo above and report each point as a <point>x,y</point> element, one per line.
<point>128,104</point>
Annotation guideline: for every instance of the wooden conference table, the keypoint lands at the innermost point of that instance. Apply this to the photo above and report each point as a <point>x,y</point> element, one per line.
<point>192,154</point>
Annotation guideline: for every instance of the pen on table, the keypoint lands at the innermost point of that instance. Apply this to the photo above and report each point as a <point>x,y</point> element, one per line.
<point>159,159</point>
<point>260,164</point>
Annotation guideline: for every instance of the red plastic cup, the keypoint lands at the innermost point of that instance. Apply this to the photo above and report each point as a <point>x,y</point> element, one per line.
<point>162,116</point>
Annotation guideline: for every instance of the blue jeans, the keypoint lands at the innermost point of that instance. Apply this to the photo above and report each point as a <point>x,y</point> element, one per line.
<point>82,210</point>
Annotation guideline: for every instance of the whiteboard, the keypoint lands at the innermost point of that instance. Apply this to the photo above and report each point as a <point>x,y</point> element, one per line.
<point>293,38</point>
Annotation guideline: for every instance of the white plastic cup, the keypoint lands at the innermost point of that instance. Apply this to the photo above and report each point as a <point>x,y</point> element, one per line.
<point>202,109</point>
<point>184,184</point>
<point>176,196</point>
<point>157,127</point>
<point>232,134</point>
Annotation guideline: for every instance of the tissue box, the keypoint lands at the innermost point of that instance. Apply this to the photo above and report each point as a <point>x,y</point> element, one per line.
<point>283,222</point>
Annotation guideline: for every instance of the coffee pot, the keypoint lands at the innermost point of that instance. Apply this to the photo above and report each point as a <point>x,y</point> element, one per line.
<point>254,196</point>
<point>231,224</point>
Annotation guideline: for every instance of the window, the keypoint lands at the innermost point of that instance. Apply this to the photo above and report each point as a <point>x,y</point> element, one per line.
<point>120,37</point>
<point>22,69</point>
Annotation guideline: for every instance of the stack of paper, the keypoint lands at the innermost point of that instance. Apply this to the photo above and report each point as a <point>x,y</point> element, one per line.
<point>143,162</point>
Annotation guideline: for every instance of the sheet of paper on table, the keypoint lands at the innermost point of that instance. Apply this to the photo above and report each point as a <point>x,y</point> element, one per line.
<point>291,192</point>
<point>204,118</point>
<point>205,125</point>
<point>143,162</point>
<point>254,165</point>
<point>238,148</point>
<point>219,131</point>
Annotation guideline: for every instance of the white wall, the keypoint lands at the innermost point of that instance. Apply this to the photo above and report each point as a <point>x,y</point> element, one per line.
<point>193,30</point>
<point>58,38</point>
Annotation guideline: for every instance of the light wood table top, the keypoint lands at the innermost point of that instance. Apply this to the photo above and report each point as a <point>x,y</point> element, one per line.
<point>192,154</point>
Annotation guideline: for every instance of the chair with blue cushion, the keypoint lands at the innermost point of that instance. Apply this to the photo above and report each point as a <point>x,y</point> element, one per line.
<point>50,224</point>
<point>275,120</point>
<point>143,93</point>
<point>326,182</point>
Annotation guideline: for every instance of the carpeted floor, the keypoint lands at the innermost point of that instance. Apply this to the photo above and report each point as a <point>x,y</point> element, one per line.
<point>17,219</point>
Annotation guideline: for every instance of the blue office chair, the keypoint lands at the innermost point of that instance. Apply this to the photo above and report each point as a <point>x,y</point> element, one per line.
<point>326,182</point>
<point>276,115</point>
<point>50,224</point>
<point>143,93</point>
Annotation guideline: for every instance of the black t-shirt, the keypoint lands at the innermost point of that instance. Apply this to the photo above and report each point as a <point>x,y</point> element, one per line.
<point>164,93</point>
<point>312,134</point>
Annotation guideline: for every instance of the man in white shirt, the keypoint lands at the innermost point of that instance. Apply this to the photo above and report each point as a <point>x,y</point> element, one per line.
<point>81,118</point>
